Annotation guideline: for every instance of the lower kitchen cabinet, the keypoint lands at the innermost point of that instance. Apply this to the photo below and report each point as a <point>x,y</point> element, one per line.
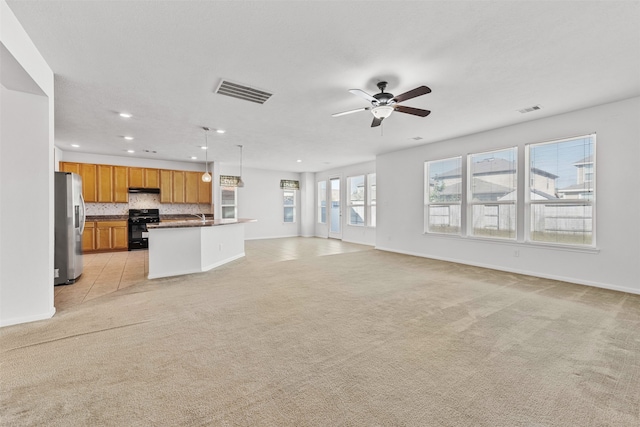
<point>89,237</point>
<point>105,236</point>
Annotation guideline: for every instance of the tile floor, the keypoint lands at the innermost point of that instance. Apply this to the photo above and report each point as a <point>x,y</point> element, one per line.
<point>103,273</point>
<point>107,272</point>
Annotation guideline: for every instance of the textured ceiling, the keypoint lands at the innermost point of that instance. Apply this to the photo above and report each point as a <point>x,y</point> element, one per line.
<point>161,61</point>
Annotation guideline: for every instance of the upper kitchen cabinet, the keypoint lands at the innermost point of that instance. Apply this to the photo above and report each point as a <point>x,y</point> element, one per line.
<point>120,184</point>
<point>204,190</point>
<point>166,186</point>
<point>178,178</point>
<point>88,173</point>
<point>191,186</point>
<point>136,177</point>
<point>113,184</point>
<point>151,178</point>
<point>144,177</point>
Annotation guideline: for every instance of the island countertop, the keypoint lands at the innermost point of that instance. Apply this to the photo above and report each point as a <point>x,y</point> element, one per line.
<point>198,223</point>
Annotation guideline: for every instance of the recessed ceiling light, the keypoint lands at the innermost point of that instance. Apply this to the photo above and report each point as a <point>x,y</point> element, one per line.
<point>75,145</point>
<point>126,115</point>
<point>203,147</point>
<point>130,151</point>
<point>299,161</point>
<point>220,130</point>
<point>193,157</point>
<point>128,138</point>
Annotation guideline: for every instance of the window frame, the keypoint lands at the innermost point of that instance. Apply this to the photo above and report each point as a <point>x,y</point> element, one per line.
<point>235,201</point>
<point>371,203</point>
<point>321,197</point>
<point>529,203</point>
<point>285,206</point>
<point>448,204</point>
<point>470,203</point>
<point>367,203</point>
<point>358,203</point>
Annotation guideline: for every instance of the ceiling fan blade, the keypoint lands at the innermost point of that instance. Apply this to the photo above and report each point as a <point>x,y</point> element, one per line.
<point>411,110</point>
<point>422,90</point>
<point>376,122</point>
<point>363,94</point>
<point>349,112</point>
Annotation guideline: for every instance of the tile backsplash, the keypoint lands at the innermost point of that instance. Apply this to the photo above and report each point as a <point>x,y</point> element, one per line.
<point>145,201</point>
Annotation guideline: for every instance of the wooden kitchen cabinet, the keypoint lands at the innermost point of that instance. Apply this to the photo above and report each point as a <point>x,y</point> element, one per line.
<point>89,237</point>
<point>166,186</point>
<point>105,183</point>
<point>151,178</point>
<point>144,177</point>
<point>70,167</point>
<point>113,184</point>
<point>119,237</point>
<point>177,178</point>
<point>136,177</point>
<point>191,186</point>
<point>88,173</point>
<point>110,235</point>
<point>204,191</point>
<point>120,184</point>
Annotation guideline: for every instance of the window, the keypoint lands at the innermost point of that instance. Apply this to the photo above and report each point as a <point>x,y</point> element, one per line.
<point>289,201</point>
<point>371,198</point>
<point>322,202</point>
<point>562,212</point>
<point>443,196</point>
<point>492,194</point>
<point>361,200</point>
<point>355,200</point>
<point>229,202</point>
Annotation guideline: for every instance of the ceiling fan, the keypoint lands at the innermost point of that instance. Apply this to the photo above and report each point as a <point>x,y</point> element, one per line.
<point>383,103</point>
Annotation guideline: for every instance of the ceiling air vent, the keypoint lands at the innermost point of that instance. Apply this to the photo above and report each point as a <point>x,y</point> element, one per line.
<point>530,109</point>
<point>239,91</point>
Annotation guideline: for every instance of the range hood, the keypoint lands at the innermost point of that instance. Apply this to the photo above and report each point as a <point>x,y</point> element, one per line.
<point>144,190</point>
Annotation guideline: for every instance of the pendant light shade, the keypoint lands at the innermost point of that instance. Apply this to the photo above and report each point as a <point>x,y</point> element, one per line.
<point>240,181</point>
<point>206,176</point>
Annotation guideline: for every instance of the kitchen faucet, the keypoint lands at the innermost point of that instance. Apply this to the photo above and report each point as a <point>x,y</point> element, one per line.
<point>201,216</point>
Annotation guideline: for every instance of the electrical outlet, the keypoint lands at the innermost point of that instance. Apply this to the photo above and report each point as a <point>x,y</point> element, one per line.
<point>56,273</point>
<point>516,253</point>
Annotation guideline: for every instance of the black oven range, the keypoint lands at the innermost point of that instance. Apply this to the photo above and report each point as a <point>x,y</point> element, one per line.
<point>138,220</point>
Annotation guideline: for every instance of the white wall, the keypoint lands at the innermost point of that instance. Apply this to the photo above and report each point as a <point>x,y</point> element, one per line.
<point>26,177</point>
<point>616,263</point>
<point>307,204</point>
<point>261,199</point>
<point>364,235</point>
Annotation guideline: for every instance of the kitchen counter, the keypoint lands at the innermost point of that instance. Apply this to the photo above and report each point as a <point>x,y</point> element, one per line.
<point>163,217</point>
<point>107,217</point>
<point>194,246</point>
<point>199,223</point>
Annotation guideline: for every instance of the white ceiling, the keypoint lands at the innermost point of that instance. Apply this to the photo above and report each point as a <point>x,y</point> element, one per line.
<point>162,61</point>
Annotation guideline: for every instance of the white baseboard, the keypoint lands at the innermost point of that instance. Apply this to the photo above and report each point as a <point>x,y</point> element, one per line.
<point>27,319</point>
<point>271,237</point>
<point>224,261</point>
<point>519,271</point>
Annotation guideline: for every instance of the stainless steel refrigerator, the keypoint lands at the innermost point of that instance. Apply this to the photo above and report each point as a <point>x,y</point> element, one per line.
<point>69,219</point>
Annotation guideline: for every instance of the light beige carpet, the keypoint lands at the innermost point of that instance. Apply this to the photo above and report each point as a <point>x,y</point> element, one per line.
<point>363,338</point>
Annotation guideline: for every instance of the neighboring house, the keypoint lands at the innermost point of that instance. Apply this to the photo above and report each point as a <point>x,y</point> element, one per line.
<point>583,189</point>
<point>493,180</point>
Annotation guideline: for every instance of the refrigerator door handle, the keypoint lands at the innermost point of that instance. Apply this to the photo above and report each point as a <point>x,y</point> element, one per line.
<point>84,211</point>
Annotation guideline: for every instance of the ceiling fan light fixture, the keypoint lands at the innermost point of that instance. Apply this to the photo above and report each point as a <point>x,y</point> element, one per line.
<point>382,111</point>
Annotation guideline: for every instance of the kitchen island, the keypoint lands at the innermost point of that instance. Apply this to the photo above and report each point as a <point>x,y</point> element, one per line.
<point>194,246</point>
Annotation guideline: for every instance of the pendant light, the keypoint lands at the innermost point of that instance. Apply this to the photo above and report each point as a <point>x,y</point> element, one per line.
<point>240,181</point>
<point>206,176</point>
